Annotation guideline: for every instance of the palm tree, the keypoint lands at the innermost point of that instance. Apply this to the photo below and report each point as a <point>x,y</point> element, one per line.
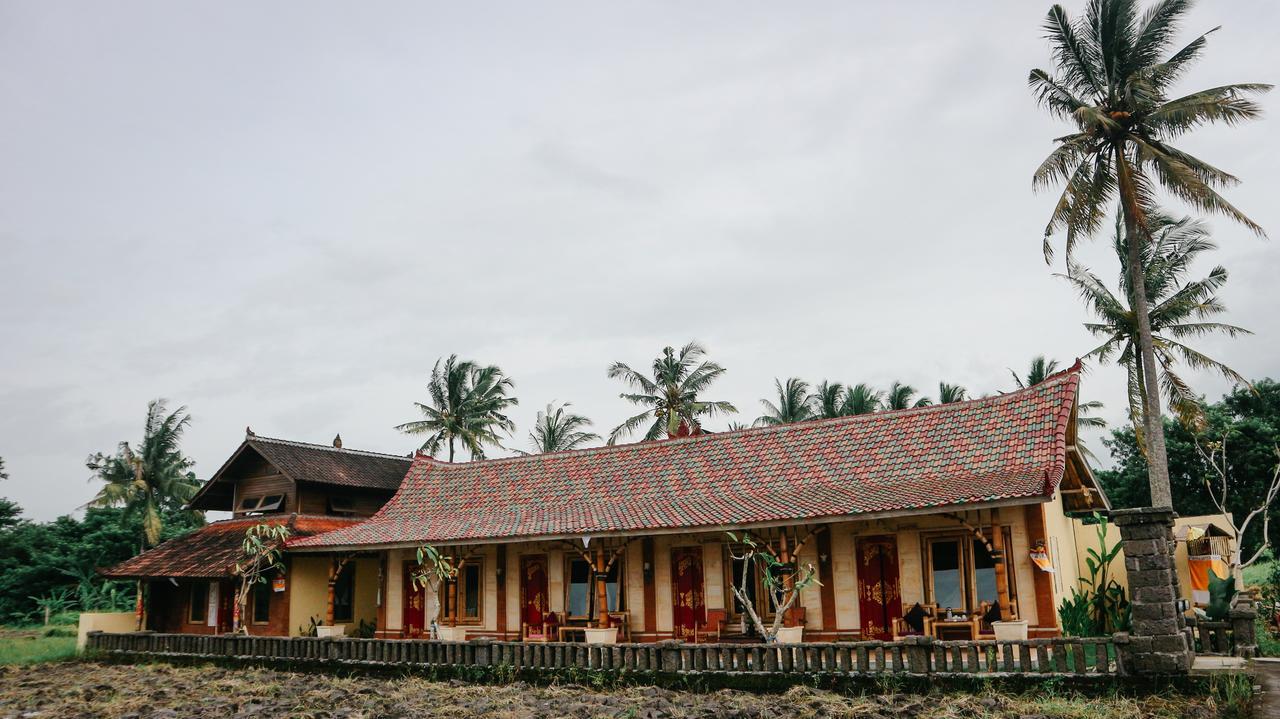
<point>794,404</point>
<point>948,393</point>
<point>828,399</point>
<point>671,396</point>
<point>860,399</point>
<point>1180,311</point>
<point>903,396</point>
<point>1113,84</point>
<point>3,474</point>
<point>151,479</point>
<point>558,429</point>
<point>1040,370</point>
<point>468,405</point>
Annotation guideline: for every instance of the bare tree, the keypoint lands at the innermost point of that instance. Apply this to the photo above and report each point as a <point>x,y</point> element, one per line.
<point>783,581</point>
<point>1214,454</point>
<point>260,556</point>
<point>433,570</point>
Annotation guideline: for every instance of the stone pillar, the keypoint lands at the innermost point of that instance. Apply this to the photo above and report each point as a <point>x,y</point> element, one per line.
<point>1159,641</point>
<point>1244,634</point>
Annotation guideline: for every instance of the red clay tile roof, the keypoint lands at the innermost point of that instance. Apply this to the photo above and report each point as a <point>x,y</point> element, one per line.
<point>1007,447</point>
<point>211,551</point>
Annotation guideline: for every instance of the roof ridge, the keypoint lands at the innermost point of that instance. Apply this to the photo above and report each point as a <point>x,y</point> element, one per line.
<point>327,447</point>
<point>776,429</point>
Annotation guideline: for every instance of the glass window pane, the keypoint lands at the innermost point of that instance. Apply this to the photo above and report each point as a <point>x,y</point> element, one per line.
<point>984,573</point>
<point>948,587</point>
<point>579,588</point>
<point>471,587</point>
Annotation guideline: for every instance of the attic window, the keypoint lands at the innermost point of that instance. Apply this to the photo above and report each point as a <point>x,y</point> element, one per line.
<point>261,504</point>
<point>342,505</point>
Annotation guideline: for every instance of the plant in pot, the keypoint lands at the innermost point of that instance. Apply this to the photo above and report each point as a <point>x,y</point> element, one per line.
<point>783,580</point>
<point>433,570</point>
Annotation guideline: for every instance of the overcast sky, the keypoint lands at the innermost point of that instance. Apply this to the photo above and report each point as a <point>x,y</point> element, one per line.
<point>281,214</point>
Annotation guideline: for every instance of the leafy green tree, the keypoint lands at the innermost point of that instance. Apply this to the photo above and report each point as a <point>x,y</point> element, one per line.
<point>1113,75</point>
<point>557,429</point>
<point>10,512</point>
<point>833,399</point>
<point>794,404</point>
<point>1180,310</point>
<point>1250,422</point>
<point>154,477</point>
<point>903,396</point>
<point>671,396</point>
<point>948,393</point>
<point>468,407</point>
<point>260,556</point>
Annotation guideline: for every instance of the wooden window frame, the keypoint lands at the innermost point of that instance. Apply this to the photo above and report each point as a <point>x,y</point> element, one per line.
<point>619,566</point>
<point>192,604</point>
<point>446,595</point>
<point>253,604</point>
<point>968,567</point>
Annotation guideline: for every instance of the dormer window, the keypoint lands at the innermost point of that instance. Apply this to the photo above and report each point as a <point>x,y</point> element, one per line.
<point>259,505</point>
<point>342,505</point>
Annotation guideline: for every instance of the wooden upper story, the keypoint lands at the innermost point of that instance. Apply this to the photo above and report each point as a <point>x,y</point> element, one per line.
<point>274,476</point>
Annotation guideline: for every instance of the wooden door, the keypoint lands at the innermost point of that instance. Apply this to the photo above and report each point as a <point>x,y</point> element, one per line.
<point>414,613</point>
<point>687,608</point>
<point>879,590</point>
<point>533,589</point>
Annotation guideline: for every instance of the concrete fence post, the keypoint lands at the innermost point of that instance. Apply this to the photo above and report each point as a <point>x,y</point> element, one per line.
<point>919,650</point>
<point>669,653</point>
<point>1244,631</point>
<point>1159,641</point>
<point>483,648</point>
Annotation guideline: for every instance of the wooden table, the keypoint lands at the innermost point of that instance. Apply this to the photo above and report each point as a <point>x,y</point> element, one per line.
<point>967,627</point>
<point>564,633</point>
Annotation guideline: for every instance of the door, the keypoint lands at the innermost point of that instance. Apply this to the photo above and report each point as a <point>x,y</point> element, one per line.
<point>687,608</point>
<point>879,591</point>
<point>533,589</point>
<point>414,612</point>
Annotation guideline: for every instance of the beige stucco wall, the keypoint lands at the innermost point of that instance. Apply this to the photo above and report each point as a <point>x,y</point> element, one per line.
<point>113,622</point>
<point>308,591</point>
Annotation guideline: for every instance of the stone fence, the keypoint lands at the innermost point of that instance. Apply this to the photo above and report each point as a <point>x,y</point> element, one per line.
<point>912,656</point>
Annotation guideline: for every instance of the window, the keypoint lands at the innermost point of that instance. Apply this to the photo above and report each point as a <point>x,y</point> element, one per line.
<point>253,505</point>
<point>344,591</point>
<point>198,606</point>
<point>962,572</point>
<point>945,564</point>
<point>342,505</point>
<point>470,588</point>
<point>261,603</point>
<point>613,587</point>
<point>579,604</point>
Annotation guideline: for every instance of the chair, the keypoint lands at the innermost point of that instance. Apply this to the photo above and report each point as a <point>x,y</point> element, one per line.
<point>547,631</point>
<point>711,628</point>
<point>621,620</point>
<point>902,629</point>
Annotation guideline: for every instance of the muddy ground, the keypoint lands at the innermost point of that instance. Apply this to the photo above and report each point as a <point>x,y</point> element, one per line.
<point>81,689</point>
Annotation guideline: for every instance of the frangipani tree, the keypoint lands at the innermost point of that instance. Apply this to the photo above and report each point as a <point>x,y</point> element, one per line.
<point>782,581</point>
<point>260,557</point>
<point>433,570</point>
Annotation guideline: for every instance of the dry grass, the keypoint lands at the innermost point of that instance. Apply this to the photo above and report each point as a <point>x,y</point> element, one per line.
<point>78,689</point>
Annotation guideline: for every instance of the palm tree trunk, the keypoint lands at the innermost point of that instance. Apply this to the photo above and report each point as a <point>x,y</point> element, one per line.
<point>1153,421</point>
<point>450,449</point>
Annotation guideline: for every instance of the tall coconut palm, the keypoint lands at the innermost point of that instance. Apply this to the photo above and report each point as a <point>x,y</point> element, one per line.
<point>861,399</point>
<point>1039,370</point>
<point>948,393</point>
<point>152,478</point>
<point>1112,78</point>
<point>468,407</point>
<point>671,395</point>
<point>557,429</point>
<point>794,404</point>
<point>1180,310</point>
<point>828,399</point>
<point>903,396</point>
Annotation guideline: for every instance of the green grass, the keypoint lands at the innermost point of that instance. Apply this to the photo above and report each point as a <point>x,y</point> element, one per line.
<point>31,645</point>
<point>1255,575</point>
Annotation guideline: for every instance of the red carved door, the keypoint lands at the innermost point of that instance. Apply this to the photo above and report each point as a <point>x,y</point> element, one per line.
<point>533,589</point>
<point>687,608</point>
<point>879,591</point>
<point>414,614</point>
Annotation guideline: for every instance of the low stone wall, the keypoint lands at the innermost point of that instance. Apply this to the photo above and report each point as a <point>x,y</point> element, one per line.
<point>918,656</point>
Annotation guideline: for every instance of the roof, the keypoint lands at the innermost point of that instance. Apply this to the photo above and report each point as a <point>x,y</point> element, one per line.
<point>308,463</point>
<point>212,551</point>
<point>1000,449</point>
